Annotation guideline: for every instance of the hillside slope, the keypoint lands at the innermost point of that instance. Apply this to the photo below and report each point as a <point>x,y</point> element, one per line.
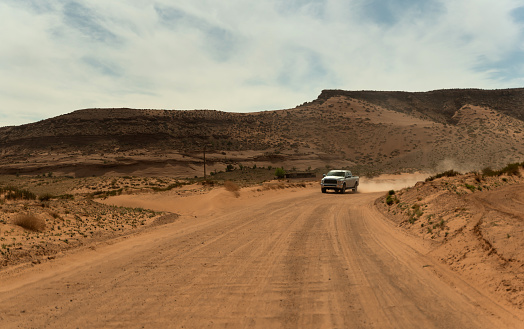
<point>475,224</point>
<point>366,131</point>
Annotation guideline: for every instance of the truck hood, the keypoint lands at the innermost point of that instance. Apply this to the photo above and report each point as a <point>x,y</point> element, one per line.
<point>333,177</point>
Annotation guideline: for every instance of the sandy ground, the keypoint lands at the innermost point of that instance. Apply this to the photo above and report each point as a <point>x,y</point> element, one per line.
<point>474,224</point>
<point>270,258</point>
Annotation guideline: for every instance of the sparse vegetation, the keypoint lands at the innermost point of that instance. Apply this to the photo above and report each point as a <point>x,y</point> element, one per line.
<point>448,173</point>
<point>472,188</point>
<point>391,198</point>
<point>512,169</point>
<point>169,187</point>
<point>45,197</point>
<point>72,214</point>
<point>14,193</point>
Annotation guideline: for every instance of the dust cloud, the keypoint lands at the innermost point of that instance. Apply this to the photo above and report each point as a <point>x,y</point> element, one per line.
<point>451,164</point>
<point>390,182</point>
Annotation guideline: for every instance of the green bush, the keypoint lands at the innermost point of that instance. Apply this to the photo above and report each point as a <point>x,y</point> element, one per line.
<point>472,188</point>
<point>280,173</point>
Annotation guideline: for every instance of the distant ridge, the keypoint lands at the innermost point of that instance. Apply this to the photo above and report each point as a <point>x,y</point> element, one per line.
<point>367,131</point>
<point>439,104</point>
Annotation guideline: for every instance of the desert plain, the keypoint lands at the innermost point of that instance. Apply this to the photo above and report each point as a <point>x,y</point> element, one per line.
<point>123,230</point>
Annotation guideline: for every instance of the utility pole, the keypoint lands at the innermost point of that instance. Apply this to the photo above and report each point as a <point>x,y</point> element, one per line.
<point>204,161</point>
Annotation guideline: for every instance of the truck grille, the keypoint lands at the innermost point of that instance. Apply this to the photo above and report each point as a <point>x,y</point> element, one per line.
<point>330,181</point>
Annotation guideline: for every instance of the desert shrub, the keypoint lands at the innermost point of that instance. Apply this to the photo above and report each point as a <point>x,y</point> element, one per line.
<point>169,187</point>
<point>440,224</point>
<point>14,193</point>
<point>472,188</point>
<point>114,192</point>
<point>66,197</point>
<point>416,210</point>
<point>488,172</point>
<point>478,178</point>
<point>448,173</point>
<point>280,173</point>
<point>208,182</point>
<point>45,197</point>
<point>391,198</point>
<point>229,168</point>
<point>30,222</point>
<point>512,169</point>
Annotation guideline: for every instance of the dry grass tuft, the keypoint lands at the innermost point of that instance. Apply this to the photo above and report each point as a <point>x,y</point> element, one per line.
<point>30,222</point>
<point>232,187</point>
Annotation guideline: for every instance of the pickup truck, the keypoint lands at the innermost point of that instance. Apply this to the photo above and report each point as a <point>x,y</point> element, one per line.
<point>339,180</point>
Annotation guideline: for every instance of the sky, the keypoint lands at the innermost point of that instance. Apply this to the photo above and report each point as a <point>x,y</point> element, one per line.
<point>58,56</point>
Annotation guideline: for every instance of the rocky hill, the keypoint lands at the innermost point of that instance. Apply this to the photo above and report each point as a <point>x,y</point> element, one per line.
<point>368,131</point>
<point>439,105</point>
<point>473,222</point>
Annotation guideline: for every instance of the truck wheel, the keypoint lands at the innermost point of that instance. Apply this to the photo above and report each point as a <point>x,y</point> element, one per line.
<point>355,188</point>
<point>343,190</point>
<point>323,190</point>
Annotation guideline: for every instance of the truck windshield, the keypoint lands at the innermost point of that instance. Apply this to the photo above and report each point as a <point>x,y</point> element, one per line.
<point>336,173</point>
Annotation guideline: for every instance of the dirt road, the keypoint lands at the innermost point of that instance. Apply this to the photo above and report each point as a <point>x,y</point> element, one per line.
<point>275,259</point>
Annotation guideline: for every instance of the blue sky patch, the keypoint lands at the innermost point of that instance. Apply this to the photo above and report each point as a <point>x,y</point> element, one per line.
<point>315,8</point>
<point>518,14</point>
<point>36,6</point>
<point>87,22</point>
<point>390,12</point>
<point>510,67</point>
<point>103,67</point>
<point>219,42</point>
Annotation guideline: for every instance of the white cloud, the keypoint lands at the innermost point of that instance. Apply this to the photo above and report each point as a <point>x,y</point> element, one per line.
<point>245,56</point>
